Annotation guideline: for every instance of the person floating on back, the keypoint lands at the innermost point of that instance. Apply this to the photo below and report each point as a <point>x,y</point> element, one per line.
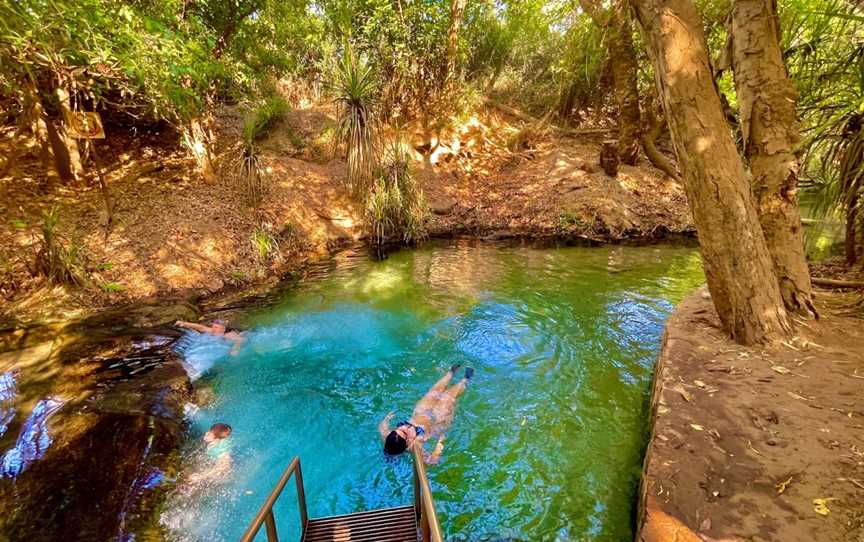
<point>431,418</point>
<point>217,329</point>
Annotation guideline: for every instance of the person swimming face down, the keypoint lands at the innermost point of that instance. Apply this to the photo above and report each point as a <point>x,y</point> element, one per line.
<point>217,432</point>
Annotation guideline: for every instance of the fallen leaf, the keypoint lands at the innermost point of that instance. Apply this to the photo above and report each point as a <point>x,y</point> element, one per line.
<point>794,395</point>
<point>820,506</point>
<point>684,393</point>
<point>697,427</point>
<point>781,487</point>
<point>780,369</point>
<point>699,383</point>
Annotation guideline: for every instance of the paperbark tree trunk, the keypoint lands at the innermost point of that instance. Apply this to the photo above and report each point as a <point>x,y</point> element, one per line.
<point>654,127</point>
<point>75,165</point>
<point>41,133</point>
<point>622,55</point>
<point>769,130</point>
<point>624,70</point>
<point>457,10</point>
<point>737,264</point>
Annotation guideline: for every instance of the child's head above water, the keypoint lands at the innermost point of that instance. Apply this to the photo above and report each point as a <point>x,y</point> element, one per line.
<point>218,431</point>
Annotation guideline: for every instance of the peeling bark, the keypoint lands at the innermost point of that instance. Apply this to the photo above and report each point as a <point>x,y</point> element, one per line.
<point>197,139</point>
<point>649,144</point>
<point>75,166</point>
<point>737,263</point>
<point>769,130</point>
<point>41,133</point>
<point>622,56</point>
<point>624,71</point>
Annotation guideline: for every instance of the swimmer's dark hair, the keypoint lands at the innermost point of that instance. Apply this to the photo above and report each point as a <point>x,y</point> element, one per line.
<point>395,444</point>
<point>221,430</point>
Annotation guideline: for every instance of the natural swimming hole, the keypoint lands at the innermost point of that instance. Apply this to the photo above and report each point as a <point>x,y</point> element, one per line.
<point>547,441</point>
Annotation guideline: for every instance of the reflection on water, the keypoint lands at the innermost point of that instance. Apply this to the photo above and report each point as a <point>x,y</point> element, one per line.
<point>547,441</point>
<point>7,400</point>
<point>33,441</point>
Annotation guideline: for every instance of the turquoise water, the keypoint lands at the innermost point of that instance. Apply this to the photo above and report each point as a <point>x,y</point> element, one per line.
<point>547,441</point>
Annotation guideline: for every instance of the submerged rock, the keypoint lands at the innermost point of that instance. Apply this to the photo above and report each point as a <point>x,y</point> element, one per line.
<point>92,421</point>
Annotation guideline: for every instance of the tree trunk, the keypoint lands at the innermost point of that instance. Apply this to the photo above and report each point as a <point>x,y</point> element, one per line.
<point>197,139</point>
<point>769,130</point>
<point>75,165</point>
<point>457,10</point>
<point>649,138</point>
<point>851,231</point>
<point>737,264</point>
<point>624,69</point>
<point>622,56</point>
<point>41,133</point>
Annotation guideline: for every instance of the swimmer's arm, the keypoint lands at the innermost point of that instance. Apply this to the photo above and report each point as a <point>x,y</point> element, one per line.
<point>189,325</point>
<point>239,340</point>
<point>384,425</point>
<point>222,467</point>
<point>435,456</point>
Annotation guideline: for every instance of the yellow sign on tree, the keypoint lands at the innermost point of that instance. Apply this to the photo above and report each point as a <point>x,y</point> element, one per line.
<point>86,125</point>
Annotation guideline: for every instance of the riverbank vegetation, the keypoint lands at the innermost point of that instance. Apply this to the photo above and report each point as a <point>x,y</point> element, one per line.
<point>387,101</point>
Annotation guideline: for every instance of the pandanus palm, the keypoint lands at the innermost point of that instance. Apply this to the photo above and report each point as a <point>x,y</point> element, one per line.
<point>355,90</point>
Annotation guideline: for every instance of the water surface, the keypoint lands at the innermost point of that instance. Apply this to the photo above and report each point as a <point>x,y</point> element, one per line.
<point>547,441</point>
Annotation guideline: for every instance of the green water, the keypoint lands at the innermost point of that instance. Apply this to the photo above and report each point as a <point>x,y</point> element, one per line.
<point>547,442</point>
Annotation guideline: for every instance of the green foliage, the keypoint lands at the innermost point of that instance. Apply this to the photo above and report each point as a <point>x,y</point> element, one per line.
<point>568,220</point>
<point>265,244</point>
<point>542,55</point>
<point>396,209</point>
<point>56,259</point>
<point>156,60</point>
<point>824,53</point>
<point>238,276</point>
<point>354,90</point>
<point>258,122</point>
<point>291,238</point>
<point>250,180</point>
<point>112,287</point>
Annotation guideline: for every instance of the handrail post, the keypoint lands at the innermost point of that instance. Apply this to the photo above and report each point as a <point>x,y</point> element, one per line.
<point>429,519</point>
<point>265,514</point>
<point>417,504</point>
<point>270,525</point>
<point>301,497</point>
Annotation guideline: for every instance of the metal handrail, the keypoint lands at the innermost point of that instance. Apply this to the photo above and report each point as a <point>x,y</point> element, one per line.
<point>265,514</point>
<point>424,505</point>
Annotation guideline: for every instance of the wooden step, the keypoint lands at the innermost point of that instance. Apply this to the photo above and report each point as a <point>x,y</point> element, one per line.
<point>385,525</point>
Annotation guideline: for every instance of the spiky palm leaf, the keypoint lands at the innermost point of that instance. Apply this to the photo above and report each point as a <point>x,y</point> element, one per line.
<point>355,89</point>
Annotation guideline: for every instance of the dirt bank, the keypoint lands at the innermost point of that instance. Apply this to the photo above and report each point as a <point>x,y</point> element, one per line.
<point>757,444</point>
<point>172,234</point>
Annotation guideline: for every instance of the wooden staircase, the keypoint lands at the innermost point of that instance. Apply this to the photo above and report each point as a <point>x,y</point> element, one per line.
<point>410,523</point>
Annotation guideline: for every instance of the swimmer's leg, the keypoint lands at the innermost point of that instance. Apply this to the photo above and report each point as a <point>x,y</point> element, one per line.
<point>458,389</point>
<point>441,385</point>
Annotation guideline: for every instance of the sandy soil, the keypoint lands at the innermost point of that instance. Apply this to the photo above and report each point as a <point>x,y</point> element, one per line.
<point>173,234</point>
<point>758,444</point>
